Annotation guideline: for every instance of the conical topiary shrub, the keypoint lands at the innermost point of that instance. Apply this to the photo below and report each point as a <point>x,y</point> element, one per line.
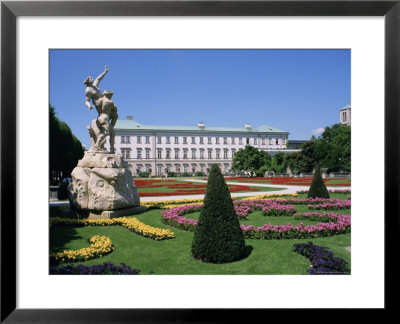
<point>318,188</point>
<point>218,237</point>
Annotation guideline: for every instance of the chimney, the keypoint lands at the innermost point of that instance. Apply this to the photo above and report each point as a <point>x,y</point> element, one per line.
<point>247,126</point>
<point>129,117</point>
<point>200,125</point>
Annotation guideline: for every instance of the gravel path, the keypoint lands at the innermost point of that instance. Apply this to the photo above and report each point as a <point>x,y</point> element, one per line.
<point>287,189</point>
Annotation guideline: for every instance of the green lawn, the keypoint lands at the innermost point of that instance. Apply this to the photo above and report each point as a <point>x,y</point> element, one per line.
<point>174,256</point>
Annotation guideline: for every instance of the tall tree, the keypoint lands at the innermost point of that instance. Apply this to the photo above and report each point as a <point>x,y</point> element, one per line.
<point>65,148</point>
<point>250,160</point>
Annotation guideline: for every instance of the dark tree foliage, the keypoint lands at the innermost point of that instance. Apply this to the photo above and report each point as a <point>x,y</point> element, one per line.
<point>218,237</point>
<point>318,188</point>
<point>65,148</point>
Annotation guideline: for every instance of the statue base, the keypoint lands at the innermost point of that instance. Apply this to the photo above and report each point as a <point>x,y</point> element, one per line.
<point>102,184</point>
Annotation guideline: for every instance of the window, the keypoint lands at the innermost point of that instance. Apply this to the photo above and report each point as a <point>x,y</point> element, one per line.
<point>225,153</point>
<point>344,116</point>
<point>139,153</point>
<point>217,140</point>
<point>176,153</point>
<point>185,168</point>
<point>185,154</point>
<point>184,140</point>
<point>284,141</point>
<point>139,140</point>
<point>176,140</point>
<point>202,154</point>
<point>193,153</point>
<point>240,141</point>
<point>271,141</point>
<point>209,140</point>
<point>168,153</point>
<point>277,142</point>
<point>193,140</point>
<point>233,152</point>
<point>247,141</point>
<point>225,140</point>
<point>255,140</point>
<point>125,139</point>
<point>158,139</point>
<point>159,169</point>
<point>147,153</point>
<point>263,141</point>
<point>126,153</point>
<point>201,140</point>
<point>147,139</point>
<point>233,140</point>
<point>168,140</point>
<point>210,153</point>
<point>159,154</point>
<point>217,154</point>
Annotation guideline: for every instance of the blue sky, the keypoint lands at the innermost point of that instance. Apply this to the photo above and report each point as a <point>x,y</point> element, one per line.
<point>298,91</point>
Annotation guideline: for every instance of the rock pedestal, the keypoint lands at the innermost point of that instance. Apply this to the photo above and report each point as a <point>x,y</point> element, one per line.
<point>103,187</point>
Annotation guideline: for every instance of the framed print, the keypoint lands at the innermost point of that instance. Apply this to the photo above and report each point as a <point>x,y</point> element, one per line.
<point>35,33</point>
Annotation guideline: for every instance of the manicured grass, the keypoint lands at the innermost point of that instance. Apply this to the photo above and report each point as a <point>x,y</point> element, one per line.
<point>174,256</point>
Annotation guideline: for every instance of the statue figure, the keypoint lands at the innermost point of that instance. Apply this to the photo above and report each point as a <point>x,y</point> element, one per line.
<point>103,125</point>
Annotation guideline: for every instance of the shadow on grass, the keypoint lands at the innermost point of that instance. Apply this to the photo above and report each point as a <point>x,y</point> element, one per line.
<point>246,253</point>
<point>60,236</point>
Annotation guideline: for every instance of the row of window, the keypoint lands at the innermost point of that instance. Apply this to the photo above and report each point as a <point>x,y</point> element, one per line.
<point>126,153</point>
<point>210,140</point>
<point>177,168</point>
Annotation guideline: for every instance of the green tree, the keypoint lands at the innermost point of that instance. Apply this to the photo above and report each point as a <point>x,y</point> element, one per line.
<point>334,148</point>
<point>218,237</point>
<point>318,188</point>
<point>65,148</point>
<point>250,160</point>
<point>331,150</point>
<point>278,163</point>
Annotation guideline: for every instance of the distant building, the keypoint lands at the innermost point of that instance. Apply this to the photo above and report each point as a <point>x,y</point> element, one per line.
<point>296,144</point>
<point>345,115</point>
<point>160,149</point>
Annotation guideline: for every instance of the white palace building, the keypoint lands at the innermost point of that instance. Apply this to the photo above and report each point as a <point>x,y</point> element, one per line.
<point>160,149</point>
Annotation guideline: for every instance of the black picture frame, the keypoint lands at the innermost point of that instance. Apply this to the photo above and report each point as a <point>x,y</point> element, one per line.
<point>10,10</point>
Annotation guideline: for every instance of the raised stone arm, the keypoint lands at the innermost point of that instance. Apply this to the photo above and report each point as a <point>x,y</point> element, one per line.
<point>100,77</point>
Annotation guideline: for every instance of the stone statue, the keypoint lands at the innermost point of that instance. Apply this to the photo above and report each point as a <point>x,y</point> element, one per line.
<point>102,185</point>
<point>103,125</point>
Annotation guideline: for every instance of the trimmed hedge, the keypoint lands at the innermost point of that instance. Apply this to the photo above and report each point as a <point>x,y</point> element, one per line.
<point>218,237</point>
<point>318,188</point>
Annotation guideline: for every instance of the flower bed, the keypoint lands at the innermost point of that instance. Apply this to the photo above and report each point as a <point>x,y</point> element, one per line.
<point>339,191</point>
<point>322,260</point>
<point>296,181</point>
<point>343,204</point>
<point>174,203</point>
<point>100,245</point>
<point>133,224</point>
<point>105,268</point>
<point>186,188</point>
<point>331,224</point>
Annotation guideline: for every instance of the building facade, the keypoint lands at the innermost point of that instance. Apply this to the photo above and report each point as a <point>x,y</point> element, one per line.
<point>345,115</point>
<point>181,149</point>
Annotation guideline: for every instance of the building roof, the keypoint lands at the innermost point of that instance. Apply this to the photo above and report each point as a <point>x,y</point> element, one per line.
<point>130,125</point>
<point>348,106</point>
